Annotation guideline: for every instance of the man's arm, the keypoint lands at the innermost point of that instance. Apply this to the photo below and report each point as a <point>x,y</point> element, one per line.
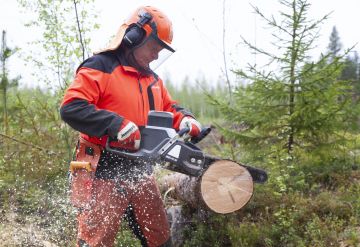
<point>84,117</point>
<point>78,108</point>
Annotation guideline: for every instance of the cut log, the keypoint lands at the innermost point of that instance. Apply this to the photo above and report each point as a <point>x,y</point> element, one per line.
<point>180,187</point>
<point>223,188</point>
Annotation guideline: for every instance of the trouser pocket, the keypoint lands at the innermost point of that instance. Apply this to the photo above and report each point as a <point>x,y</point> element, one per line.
<point>81,183</point>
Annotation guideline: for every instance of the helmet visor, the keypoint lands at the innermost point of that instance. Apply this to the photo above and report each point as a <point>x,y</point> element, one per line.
<point>163,55</point>
<point>152,52</point>
<point>165,52</point>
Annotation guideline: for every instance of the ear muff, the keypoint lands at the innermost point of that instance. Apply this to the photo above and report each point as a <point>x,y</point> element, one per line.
<point>135,33</point>
<point>133,36</point>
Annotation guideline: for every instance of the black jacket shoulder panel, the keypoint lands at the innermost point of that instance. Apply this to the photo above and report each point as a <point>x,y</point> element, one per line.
<point>105,62</point>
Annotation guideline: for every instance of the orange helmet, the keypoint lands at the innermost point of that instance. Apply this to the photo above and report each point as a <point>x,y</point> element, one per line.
<point>144,22</point>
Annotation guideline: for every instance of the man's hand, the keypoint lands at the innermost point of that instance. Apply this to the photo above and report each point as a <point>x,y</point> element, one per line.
<point>128,136</point>
<point>192,124</point>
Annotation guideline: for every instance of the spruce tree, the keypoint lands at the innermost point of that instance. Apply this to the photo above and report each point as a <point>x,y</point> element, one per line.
<point>293,111</point>
<point>351,63</point>
<point>335,45</point>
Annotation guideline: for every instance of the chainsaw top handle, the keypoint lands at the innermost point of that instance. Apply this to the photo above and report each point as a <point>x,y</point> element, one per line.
<point>203,133</point>
<point>183,131</point>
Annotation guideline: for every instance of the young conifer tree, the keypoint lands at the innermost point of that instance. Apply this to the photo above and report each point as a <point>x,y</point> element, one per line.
<point>335,45</point>
<point>292,109</point>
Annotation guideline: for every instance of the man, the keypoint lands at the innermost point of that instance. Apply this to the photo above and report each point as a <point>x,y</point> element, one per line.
<point>111,96</point>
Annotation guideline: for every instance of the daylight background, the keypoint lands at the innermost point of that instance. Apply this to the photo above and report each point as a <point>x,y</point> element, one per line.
<point>198,31</point>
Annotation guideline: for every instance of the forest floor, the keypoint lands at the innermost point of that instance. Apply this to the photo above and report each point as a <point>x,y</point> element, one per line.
<point>41,228</point>
<point>16,231</point>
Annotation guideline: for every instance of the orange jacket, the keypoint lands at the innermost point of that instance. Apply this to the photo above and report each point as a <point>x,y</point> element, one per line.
<point>106,90</point>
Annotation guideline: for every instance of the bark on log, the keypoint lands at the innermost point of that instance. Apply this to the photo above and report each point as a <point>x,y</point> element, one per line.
<point>223,188</point>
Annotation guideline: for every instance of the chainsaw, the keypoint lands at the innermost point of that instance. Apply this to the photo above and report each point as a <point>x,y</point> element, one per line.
<point>161,144</point>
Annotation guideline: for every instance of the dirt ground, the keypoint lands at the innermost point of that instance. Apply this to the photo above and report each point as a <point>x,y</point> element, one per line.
<point>15,233</point>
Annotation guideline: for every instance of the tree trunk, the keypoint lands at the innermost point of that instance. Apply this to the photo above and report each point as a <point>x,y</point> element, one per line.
<point>223,188</point>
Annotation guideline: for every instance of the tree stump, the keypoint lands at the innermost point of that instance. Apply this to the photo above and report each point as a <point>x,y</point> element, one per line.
<point>223,188</point>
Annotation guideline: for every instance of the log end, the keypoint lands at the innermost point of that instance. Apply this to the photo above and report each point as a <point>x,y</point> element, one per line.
<point>226,186</point>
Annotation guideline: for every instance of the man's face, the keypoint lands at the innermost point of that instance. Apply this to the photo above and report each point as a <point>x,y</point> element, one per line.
<point>147,53</point>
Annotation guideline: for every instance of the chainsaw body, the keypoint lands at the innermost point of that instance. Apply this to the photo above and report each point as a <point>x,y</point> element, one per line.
<point>161,144</point>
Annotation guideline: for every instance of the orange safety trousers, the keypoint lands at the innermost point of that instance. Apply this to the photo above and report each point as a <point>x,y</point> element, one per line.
<point>99,223</point>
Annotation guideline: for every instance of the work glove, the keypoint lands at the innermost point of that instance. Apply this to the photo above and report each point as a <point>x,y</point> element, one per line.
<point>192,124</point>
<point>128,136</point>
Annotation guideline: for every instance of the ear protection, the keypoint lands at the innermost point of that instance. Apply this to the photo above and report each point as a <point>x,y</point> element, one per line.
<point>135,33</point>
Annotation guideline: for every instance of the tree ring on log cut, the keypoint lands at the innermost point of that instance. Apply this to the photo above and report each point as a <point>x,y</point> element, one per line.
<point>226,186</point>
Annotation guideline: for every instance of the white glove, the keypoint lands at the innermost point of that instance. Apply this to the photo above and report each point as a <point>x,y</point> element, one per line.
<point>192,124</point>
<point>129,135</point>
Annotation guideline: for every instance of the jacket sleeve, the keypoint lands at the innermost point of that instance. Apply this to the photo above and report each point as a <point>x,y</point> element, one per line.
<point>79,110</point>
<point>172,106</point>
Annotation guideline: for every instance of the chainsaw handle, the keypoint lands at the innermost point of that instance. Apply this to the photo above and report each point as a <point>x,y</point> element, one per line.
<point>183,131</point>
<point>203,133</point>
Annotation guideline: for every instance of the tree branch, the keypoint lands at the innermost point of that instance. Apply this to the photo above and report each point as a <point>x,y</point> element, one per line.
<point>51,152</point>
<point>79,29</point>
<point>224,54</point>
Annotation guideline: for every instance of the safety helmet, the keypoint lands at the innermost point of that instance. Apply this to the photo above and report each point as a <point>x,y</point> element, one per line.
<point>144,22</point>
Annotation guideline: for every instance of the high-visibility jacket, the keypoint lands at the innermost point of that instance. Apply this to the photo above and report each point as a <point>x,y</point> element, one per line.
<point>106,90</point>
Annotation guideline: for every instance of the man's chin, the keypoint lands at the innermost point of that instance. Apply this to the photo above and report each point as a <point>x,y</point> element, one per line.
<point>146,67</point>
<point>145,70</point>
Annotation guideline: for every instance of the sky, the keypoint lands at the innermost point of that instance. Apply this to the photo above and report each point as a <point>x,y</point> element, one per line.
<point>198,31</point>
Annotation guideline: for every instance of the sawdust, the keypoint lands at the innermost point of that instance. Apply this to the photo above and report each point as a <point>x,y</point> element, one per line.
<point>14,233</point>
